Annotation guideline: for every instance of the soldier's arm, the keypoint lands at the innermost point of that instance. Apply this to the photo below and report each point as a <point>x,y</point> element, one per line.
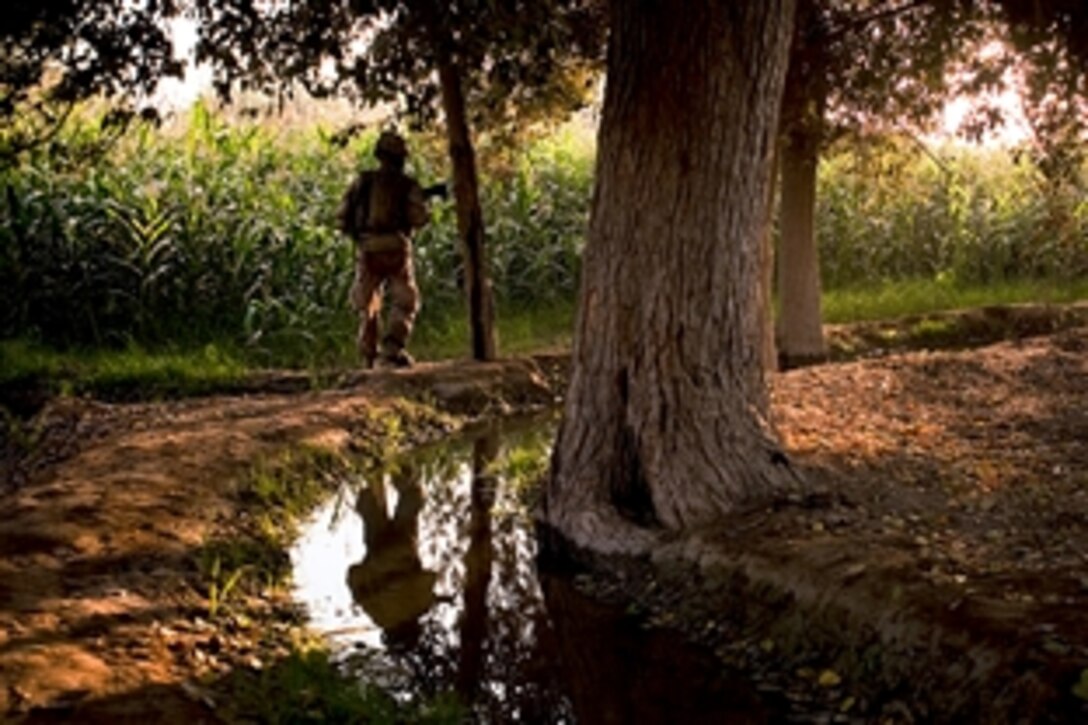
<point>417,207</point>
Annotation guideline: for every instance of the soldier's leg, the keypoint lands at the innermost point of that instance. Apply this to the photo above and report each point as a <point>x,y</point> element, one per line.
<point>367,300</point>
<point>404,306</point>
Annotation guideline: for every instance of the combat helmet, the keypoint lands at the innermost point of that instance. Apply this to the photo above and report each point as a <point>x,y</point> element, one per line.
<point>391,145</point>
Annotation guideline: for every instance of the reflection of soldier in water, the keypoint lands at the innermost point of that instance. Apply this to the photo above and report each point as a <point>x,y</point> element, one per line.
<point>390,583</point>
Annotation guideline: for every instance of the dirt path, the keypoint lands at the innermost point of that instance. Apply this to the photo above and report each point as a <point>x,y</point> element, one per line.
<point>958,476</point>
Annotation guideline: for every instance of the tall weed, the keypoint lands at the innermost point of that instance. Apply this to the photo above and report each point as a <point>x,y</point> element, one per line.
<point>962,215</point>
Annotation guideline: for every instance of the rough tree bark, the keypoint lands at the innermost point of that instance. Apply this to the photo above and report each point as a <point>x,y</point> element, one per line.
<point>767,268</point>
<point>664,424</point>
<point>466,188</point>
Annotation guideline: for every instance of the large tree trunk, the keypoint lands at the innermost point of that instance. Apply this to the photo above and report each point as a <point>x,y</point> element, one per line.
<point>664,422</point>
<point>766,265</point>
<point>466,189</point>
<point>800,321</point>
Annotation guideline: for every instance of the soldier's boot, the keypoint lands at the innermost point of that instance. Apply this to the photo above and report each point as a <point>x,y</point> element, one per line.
<point>394,354</point>
<point>402,359</point>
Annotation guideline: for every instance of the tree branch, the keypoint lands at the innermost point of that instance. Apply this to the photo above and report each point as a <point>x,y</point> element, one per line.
<point>21,143</point>
<point>880,13</point>
<point>925,149</point>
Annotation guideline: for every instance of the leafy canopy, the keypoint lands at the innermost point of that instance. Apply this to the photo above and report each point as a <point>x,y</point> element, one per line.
<point>521,61</point>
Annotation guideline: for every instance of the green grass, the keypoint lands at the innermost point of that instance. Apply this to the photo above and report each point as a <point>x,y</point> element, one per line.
<point>916,297</point>
<point>117,372</point>
<point>441,337</point>
<point>978,216</point>
<point>136,371</point>
<point>306,687</point>
<point>521,331</point>
<point>219,230</point>
<point>528,331</point>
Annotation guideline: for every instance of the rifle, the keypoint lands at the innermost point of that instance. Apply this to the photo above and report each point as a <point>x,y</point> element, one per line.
<point>439,190</point>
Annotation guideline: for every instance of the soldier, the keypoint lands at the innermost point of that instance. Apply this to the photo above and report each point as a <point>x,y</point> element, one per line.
<point>380,212</point>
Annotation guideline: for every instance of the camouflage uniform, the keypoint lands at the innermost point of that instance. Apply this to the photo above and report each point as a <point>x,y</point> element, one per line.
<point>380,212</point>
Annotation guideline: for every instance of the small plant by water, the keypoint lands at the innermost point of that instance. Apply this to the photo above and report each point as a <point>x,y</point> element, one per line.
<point>252,559</point>
<point>221,584</point>
<point>308,687</point>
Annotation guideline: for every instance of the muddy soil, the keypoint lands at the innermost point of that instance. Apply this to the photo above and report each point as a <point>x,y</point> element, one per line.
<point>949,507</point>
<point>936,570</point>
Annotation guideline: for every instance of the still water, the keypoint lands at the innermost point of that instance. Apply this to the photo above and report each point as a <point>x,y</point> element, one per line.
<point>424,575</point>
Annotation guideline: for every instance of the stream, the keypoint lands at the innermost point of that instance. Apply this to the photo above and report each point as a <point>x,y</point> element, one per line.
<point>423,578</point>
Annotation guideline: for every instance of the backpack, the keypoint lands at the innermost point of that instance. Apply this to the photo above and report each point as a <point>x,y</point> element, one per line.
<point>353,216</point>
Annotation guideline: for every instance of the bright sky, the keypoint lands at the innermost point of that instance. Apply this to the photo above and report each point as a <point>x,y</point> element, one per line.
<point>1009,102</point>
<point>177,94</point>
<point>1015,129</point>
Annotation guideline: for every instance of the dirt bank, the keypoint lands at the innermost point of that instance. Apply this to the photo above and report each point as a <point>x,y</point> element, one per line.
<point>104,612</point>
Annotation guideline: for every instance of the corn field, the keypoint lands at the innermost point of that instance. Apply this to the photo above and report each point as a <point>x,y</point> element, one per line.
<point>967,217</point>
<point>220,229</point>
<point>227,230</point>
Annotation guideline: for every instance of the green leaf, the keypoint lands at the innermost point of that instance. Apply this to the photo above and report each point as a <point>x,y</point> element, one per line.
<point>1081,688</point>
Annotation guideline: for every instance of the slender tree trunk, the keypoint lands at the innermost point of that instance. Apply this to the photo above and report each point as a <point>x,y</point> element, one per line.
<point>664,422</point>
<point>466,189</point>
<point>800,321</point>
<point>800,333</point>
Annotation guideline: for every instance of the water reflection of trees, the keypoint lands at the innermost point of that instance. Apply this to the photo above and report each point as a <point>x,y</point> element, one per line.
<point>616,671</point>
<point>484,632</point>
